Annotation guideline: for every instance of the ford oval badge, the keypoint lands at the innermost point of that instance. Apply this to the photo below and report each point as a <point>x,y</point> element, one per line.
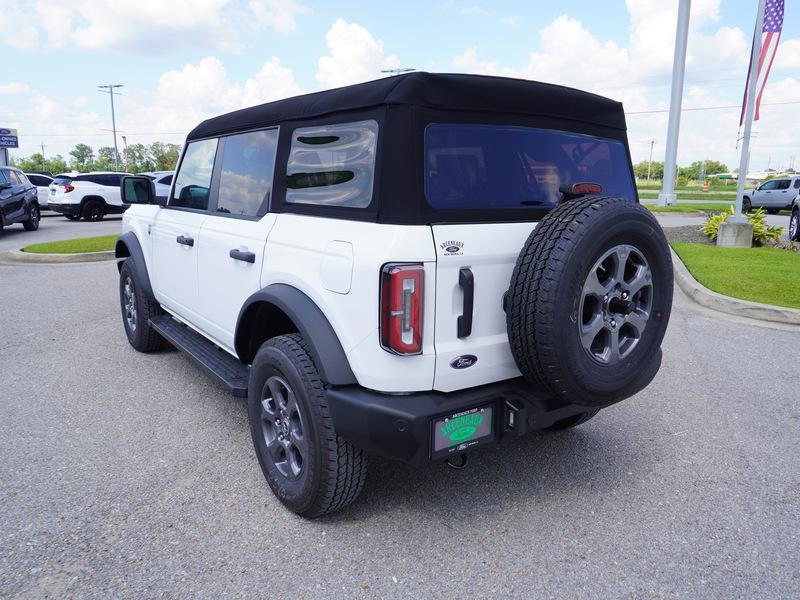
<point>463,362</point>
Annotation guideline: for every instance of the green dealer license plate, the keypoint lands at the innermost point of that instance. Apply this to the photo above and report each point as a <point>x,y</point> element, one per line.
<point>463,430</point>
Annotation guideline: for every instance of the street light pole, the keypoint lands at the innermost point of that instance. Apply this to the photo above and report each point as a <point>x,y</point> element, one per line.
<point>109,89</point>
<point>667,195</point>
<point>650,162</point>
<point>125,143</point>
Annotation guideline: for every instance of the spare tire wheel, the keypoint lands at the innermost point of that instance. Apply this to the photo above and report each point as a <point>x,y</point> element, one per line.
<point>590,299</point>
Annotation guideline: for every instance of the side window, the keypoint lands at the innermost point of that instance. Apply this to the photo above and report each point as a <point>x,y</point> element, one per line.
<point>769,185</point>
<point>22,177</point>
<point>797,184</point>
<point>194,178</point>
<point>86,178</point>
<point>245,181</point>
<point>13,177</point>
<point>38,180</point>
<point>3,178</point>
<point>783,184</point>
<point>332,165</point>
<point>166,180</point>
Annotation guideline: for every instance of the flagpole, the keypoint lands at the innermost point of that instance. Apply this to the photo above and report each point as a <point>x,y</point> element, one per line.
<point>752,84</point>
<point>667,195</point>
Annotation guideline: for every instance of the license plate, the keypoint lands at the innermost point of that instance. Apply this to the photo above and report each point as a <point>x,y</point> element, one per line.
<point>52,192</point>
<point>463,430</point>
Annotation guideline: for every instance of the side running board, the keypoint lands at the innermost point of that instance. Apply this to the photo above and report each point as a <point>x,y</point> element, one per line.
<point>233,374</point>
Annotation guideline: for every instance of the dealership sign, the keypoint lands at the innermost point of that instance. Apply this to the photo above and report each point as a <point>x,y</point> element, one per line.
<point>8,138</point>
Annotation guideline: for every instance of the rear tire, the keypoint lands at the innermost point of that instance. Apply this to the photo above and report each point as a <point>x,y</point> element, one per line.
<point>590,299</point>
<point>32,224</point>
<point>794,225</point>
<point>311,469</point>
<point>137,309</point>
<point>93,210</point>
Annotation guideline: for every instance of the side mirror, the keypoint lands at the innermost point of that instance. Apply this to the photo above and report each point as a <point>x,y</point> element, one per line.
<point>138,190</point>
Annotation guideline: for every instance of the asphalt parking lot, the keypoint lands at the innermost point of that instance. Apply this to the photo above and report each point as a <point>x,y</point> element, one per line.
<point>131,474</point>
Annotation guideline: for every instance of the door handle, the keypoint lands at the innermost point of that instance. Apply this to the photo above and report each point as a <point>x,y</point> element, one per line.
<point>466,282</point>
<point>184,240</point>
<point>237,254</point>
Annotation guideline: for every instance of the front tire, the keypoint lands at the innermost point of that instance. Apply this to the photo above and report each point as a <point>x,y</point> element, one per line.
<point>746,205</point>
<point>32,224</point>
<point>137,309</point>
<point>93,210</point>
<point>311,469</point>
<point>794,225</point>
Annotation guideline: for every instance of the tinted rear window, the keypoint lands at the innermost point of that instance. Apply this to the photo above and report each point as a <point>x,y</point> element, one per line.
<point>504,167</point>
<point>62,180</point>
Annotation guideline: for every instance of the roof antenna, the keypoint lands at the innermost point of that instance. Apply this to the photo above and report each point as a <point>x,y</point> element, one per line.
<point>396,71</point>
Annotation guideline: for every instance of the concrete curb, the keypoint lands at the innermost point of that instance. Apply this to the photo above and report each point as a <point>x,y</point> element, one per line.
<point>733,306</point>
<point>18,256</point>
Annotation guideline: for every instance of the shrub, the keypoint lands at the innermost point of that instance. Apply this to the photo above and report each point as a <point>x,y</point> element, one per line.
<point>762,231</point>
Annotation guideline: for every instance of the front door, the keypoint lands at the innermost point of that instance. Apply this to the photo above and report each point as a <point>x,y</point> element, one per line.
<point>175,232</point>
<point>234,235</point>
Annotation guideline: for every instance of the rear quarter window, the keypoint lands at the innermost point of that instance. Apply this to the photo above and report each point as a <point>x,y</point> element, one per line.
<point>503,167</point>
<point>332,165</point>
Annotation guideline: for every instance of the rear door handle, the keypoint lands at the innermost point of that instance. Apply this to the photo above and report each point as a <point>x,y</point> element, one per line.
<point>466,281</point>
<point>184,240</point>
<point>237,254</point>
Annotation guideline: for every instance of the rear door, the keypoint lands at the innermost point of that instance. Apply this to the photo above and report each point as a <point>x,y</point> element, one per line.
<point>492,168</point>
<point>234,236</point>
<point>14,196</point>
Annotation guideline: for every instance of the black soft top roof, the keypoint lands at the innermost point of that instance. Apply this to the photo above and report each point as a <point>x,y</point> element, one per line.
<point>478,93</point>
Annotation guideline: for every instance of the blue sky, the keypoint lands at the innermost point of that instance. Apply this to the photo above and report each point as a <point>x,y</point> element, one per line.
<point>183,61</point>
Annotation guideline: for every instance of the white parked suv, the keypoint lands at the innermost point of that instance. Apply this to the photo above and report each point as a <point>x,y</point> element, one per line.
<point>90,196</point>
<point>162,180</point>
<point>773,195</point>
<point>415,267</point>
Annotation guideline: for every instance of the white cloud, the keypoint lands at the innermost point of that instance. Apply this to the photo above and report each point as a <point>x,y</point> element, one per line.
<point>144,26</point>
<point>355,56</point>
<point>639,75</point>
<point>18,31</point>
<point>14,88</point>
<point>278,14</point>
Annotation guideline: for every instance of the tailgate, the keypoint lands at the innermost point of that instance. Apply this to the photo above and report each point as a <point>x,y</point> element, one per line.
<point>488,252</point>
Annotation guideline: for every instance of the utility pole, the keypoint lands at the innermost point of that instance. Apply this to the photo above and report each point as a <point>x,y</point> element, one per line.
<point>650,162</point>
<point>109,89</point>
<point>667,195</point>
<point>43,167</point>
<point>125,142</point>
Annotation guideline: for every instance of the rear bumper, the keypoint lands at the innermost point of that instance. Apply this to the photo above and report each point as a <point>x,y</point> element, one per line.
<point>400,426</point>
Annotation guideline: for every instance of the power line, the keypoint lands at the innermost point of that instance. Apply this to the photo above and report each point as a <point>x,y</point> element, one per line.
<point>650,112</point>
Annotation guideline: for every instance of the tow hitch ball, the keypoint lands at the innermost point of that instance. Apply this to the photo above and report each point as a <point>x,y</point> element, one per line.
<point>457,462</point>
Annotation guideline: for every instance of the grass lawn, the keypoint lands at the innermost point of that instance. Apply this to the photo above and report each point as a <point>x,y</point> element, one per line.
<point>76,246</point>
<point>767,275</point>
<point>647,195</point>
<point>688,208</point>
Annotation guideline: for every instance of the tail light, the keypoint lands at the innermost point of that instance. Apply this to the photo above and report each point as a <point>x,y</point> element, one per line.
<point>401,308</point>
<point>68,188</point>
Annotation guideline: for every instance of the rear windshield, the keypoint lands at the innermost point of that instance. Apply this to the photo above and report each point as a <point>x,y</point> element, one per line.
<point>504,167</point>
<point>62,180</point>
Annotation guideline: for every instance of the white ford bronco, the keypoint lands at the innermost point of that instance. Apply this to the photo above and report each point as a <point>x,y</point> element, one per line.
<point>415,267</point>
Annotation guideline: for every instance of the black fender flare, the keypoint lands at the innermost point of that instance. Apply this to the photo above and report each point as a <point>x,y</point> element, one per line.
<point>129,248</point>
<point>326,349</point>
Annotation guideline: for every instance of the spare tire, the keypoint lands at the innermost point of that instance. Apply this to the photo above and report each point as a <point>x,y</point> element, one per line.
<point>590,299</point>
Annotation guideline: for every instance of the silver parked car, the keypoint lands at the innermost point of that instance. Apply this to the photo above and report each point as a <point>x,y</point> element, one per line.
<point>774,195</point>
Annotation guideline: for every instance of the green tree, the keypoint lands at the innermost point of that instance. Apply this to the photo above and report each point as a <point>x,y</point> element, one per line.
<point>139,159</point>
<point>106,159</point>
<point>82,157</point>
<point>165,156</point>
<point>656,170</point>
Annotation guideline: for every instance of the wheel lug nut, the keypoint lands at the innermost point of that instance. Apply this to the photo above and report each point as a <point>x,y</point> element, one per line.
<point>613,323</point>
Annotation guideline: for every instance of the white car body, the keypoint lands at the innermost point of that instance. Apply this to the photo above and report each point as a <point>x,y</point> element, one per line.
<point>775,194</point>
<point>69,192</point>
<point>42,183</point>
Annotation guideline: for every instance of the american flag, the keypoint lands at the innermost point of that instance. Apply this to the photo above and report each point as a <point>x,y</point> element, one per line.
<point>770,36</point>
